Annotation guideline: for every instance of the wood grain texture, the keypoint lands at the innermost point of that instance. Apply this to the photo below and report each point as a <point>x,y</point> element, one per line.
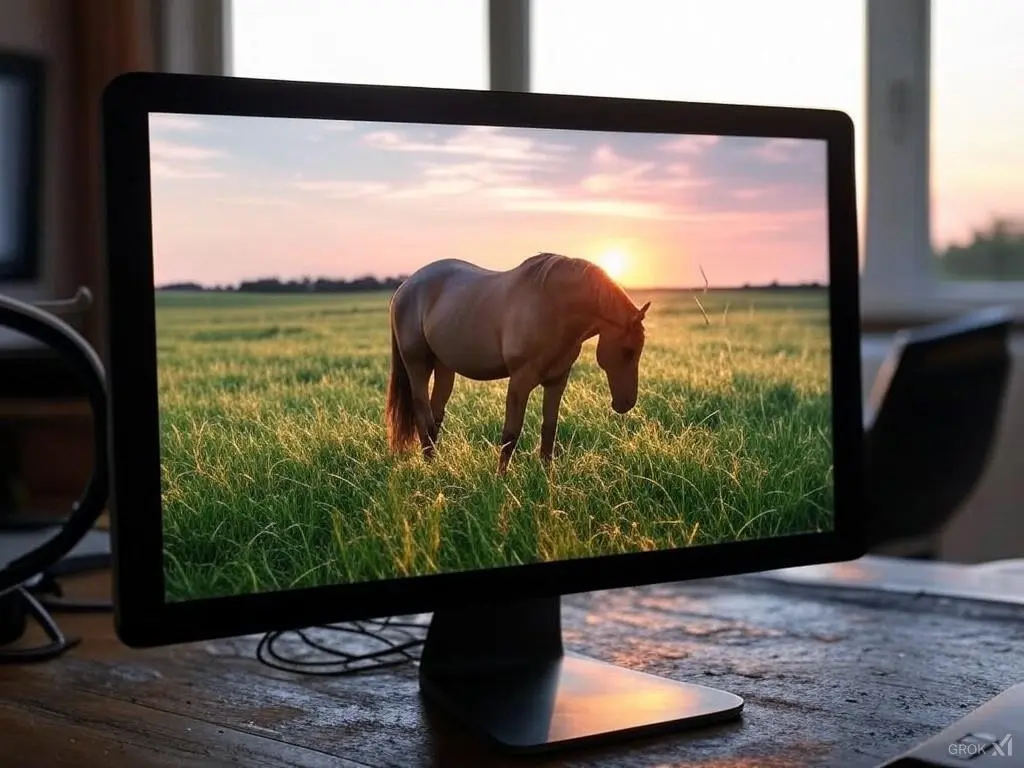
<point>830,679</point>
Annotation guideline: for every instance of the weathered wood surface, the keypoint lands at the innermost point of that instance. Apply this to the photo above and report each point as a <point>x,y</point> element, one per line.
<point>830,679</point>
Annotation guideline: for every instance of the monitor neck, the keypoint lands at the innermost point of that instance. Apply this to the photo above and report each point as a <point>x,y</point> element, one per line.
<point>527,633</point>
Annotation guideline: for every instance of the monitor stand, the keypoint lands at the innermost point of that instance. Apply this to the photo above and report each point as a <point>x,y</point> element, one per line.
<point>501,670</point>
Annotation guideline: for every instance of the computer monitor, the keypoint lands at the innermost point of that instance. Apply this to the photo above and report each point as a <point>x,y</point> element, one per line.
<point>22,84</point>
<point>21,124</point>
<point>379,351</point>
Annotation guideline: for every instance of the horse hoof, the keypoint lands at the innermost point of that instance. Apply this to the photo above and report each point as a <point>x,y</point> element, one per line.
<point>549,457</point>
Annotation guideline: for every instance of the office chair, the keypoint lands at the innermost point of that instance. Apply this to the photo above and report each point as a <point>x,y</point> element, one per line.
<point>931,421</point>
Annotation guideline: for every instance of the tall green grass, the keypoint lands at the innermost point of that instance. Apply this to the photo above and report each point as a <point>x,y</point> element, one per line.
<point>277,474</point>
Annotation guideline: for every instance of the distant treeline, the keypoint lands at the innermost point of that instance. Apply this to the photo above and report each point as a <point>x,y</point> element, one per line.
<point>995,252</point>
<point>368,284</point>
<point>307,285</point>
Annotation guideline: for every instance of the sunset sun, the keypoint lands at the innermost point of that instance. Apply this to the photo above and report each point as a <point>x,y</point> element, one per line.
<point>615,263</point>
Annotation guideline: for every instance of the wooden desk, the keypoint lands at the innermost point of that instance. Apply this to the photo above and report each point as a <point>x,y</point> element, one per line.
<point>830,679</point>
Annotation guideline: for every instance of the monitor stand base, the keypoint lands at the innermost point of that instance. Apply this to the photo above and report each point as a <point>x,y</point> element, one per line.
<point>502,672</point>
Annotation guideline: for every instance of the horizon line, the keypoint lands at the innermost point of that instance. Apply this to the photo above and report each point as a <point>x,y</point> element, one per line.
<point>235,287</point>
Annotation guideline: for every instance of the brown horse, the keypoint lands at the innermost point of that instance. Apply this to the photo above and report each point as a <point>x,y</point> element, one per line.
<point>526,324</point>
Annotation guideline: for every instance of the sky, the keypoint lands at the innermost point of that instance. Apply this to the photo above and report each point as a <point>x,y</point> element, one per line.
<point>808,53</point>
<point>237,198</point>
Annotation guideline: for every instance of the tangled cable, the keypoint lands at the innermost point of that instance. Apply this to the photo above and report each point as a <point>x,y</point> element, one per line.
<point>324,651</point>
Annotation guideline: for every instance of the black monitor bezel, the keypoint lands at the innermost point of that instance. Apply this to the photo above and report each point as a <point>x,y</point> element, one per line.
<point>144,617</point>
<point>30,71</point>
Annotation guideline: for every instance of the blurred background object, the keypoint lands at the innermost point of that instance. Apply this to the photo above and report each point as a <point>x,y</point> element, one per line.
<point>56,56</point>
<point>931,422</point>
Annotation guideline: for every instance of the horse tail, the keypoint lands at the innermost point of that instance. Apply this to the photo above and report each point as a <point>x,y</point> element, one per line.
<point>399,413</point>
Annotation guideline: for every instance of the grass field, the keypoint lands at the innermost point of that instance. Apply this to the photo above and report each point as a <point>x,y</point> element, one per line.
<point>277,475</point>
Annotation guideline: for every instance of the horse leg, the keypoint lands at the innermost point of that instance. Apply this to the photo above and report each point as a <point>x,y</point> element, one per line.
<point>444,381</point>
<point>519,388</point>
<point>552,401</point>
<point>419,379</point>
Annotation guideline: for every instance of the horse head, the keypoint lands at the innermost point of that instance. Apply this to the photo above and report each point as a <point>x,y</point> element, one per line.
<point>618,353</point>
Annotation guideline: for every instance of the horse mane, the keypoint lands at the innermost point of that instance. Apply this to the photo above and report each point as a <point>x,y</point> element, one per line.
<point>553,270</point>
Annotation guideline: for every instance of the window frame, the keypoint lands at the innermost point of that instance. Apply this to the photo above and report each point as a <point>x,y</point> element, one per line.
<point>193,37</point>
<point>900,282</point>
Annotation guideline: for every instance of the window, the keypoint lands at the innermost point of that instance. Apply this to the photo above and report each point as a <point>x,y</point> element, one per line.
<point>21,167</point>
<point>977,151</point>
<point>941,95</point>
<point>441,43</point>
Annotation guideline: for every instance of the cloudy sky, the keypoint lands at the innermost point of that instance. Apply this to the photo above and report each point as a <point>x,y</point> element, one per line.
<point>238,198</point>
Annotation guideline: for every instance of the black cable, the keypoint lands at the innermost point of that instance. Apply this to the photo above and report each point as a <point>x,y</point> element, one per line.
<point>83,360</point>
<point>401,639</point>
<point>58,645</point>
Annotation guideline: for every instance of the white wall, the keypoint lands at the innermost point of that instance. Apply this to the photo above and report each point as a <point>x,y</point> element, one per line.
<point>991,524</point>
<point>38,27</point>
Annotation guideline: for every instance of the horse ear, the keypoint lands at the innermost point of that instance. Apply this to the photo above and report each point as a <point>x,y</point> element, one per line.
<point>643,310</point>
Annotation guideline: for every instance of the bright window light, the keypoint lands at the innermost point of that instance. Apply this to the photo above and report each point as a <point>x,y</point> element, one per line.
<point>441,43</point>
<point>977,139</point>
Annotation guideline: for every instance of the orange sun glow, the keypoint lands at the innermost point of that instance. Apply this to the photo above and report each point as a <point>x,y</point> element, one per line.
<point>615,263</point>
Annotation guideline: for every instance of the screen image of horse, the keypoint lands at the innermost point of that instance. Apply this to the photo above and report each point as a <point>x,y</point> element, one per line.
<point>527,325</point>
<point>387,351</point>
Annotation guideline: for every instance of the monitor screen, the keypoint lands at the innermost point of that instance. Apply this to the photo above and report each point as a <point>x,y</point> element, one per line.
<point>21,158</point>
<point>12,178</point>
<point>393,350</point>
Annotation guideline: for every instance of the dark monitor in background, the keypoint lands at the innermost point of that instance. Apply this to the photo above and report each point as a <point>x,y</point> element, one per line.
<point>21,165</point>
<point>379,351</point>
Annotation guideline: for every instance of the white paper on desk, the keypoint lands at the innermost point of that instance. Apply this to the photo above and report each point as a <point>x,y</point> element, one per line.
<point>1001,581</point>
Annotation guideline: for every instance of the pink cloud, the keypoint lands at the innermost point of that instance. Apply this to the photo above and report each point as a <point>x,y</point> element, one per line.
<point>435,188</point>
<point>343,189</point>
<point>162,170</point>
<point>690,145</point>
<point>180,161</point>
<point>164,150</point>
<point>537,200</point>
<point>171,122</point>
<point>748,222</point>
<point>778,150</point>
<point>622,176</point>
<point>324,130</point>
<point>497,171</point>
<point>517,193</point>
<point>484,172</point>
<point>615,173</point>
<point>750,193</point>
<point>474,141</point>
<point>256,201</point>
